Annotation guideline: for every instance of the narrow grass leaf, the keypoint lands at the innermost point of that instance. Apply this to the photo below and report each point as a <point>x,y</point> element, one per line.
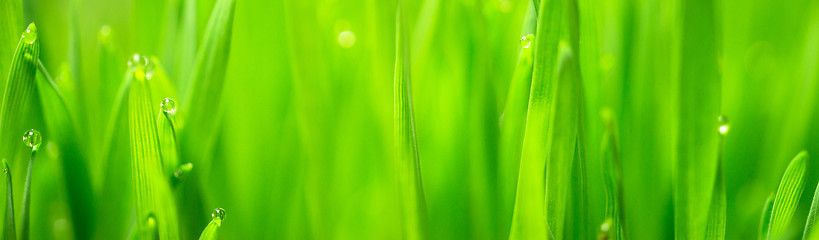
<point>24,220</point>
<point>211,231</point>
<point>765,219</point>
<point>9,232</point>
<point>715,228</point>
<point>529,217</point>
<point>408,169</point>
<point>814,207</point>
<point>612,177</point>
<point>787,195</point>
<point>151,190</point>
<point>11,22</point>
<point>19,92</point>
<point>201,105</point>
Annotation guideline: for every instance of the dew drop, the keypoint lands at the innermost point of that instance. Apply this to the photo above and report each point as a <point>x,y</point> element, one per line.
<point>168,105</point>
<point>218,214</point>
<point>526,41</point>
<point>141,66</point>
<point>182,170</point>
<point>605,230</point>
<point>32,138</point>
<point>30,35</point>
<point>346,39</point>
<point>724,125</point>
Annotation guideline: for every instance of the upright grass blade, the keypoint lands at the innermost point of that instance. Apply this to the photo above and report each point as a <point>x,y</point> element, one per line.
<point>33,139</point>
<point>513,125</point>
<point>62,129</point>
<point>612,176</point>
<point>151,189</point>
<point>699,103</point>
<point>9,232</point>
<point>529,217</point>
<point>11,21</point>
<point>765,219</point>
<point>787,195</point>
<point>202,102</point>
<point>19,91</point>
<point>408,169</point>
<point>814,207</point>
<point>715,228</point>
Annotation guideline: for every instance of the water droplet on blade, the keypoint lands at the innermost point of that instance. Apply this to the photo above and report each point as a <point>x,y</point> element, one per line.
<point>168,105</point>
<point>218,214</point>
<point>526,41</point>
<point>141,67</point>
<point>724,125</point>
<point>32,138</point>
<point>30,35</point>
<point>346,39</point>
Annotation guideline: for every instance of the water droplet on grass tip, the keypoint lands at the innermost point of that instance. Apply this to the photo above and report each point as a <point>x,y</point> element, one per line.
<point>32,138</point>
<point>724,125</point>
<point>346,39</point>
<point>168,105</point>
<point>182,170</point>
<point>526,41</point>
<point>605,230</point>
<point>218,214</point>
<point>30,35</point>
<point>141,66</point>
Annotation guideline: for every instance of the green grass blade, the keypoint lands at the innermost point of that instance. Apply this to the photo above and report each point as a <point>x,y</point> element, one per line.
<point>814,207</point>
<point>19,92</point>
<point>787,195</point>
<point>24,220</point>
<point>11,22</point>
<point>529,217</point>
<point>408,169</point>
<point>202,105</point>
<point>612,176</point>
<point>513,125</point>
<point>9,232</point>
<point>699,104</point>
<point>765,219</point>
<point>151,189</point>
<point>715,228</point>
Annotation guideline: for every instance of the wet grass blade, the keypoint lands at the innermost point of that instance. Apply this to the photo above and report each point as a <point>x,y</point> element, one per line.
<point>529,217</point>
<point>814,207</point>
<point>211,231</point>
<point>513,125</point>
<point>19,92</point>
<point>9,232</point>
<point>201,105</point>
<point>152,192</point>
<point>408,169</point>
<point>787,195</point>
<point>612,176</point>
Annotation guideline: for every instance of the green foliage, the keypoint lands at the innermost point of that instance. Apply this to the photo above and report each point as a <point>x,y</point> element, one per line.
<point>787,195</point>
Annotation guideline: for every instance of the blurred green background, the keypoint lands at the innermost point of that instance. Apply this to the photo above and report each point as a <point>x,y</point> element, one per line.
<point>305,142</point>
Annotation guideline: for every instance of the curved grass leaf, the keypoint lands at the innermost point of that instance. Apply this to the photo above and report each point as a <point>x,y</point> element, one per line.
<point>11,21</point>
<point>814,207</point>
<point>765,219</point>
<point>529,217</point>
<point>9,232</point>
<point>513,125</point>
<point>612,176</point>
<point>61,127</point>
<point>787,195</point>
<point>204,94</point>
<point>408,169</point>
<point>19,92</point>
<point>151,189</point>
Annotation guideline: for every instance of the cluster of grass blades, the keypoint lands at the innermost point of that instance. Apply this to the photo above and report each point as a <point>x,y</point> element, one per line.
<point>154,143</point>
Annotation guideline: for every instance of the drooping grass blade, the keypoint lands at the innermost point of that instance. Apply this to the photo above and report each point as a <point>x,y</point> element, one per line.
<point>787,195</point>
